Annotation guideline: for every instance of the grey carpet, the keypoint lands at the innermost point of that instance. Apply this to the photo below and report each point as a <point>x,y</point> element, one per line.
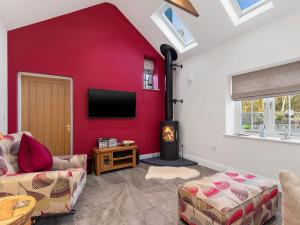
<point>124,197</point>
<point>156,161</point>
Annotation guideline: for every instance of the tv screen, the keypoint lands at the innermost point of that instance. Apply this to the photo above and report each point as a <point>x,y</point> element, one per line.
<point>111,104</point>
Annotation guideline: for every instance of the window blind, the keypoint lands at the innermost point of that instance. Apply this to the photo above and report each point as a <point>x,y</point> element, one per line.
<point>280,80</point>
<point>149,66</point>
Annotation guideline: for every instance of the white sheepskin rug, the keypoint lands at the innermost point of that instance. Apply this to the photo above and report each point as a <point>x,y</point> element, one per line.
<point>168,173</point>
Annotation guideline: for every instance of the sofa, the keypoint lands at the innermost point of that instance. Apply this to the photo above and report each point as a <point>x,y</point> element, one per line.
<point>55,191</point>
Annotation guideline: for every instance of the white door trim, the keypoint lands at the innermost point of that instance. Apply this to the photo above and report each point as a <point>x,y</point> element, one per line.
<point>20,74</point>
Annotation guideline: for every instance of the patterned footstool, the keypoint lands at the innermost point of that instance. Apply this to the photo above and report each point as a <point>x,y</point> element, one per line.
<point>228,198</point>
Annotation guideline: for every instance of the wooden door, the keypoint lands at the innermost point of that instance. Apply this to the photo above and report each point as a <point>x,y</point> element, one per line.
<point>46,112</point>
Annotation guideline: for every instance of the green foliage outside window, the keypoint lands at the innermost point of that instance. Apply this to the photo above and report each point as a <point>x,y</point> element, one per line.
<point>285,111</point>
<point>252,114</point>
<point>258,105</point>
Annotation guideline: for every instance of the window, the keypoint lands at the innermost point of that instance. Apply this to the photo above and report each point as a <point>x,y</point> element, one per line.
<point>178,26</point>
<point>281,113</point>
<point>148,80</point>
<point>241,11</point>
<point>252,114</point>
<point>287,114</point>
<point>278,115</point>
<point>148,74</point>
<point>295,115</point>
<point>268,101</point>
<point>174,28</point>
<point>245,6</point>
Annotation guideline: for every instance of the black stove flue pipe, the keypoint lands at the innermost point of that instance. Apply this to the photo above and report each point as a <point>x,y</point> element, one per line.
<point>170,55</point>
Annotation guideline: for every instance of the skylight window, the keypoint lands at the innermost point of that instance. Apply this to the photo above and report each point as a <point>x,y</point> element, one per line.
<point>174,28</point>
<point>240,11</point>
<point>178,26</point>
<point>246,4</point>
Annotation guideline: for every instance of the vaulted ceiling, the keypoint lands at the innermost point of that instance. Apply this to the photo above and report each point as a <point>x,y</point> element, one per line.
<point>210,29</point>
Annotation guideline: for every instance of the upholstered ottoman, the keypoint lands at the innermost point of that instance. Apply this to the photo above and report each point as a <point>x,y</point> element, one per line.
<point>228,198</point>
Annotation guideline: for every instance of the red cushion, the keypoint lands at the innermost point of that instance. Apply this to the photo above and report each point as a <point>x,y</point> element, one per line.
<point>33,156</point>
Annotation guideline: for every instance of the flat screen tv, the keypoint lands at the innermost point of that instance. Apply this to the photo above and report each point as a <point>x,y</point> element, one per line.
<point>111,104</point>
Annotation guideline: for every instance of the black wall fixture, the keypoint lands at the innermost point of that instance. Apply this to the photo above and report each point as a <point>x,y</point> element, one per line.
<point>169,129</point>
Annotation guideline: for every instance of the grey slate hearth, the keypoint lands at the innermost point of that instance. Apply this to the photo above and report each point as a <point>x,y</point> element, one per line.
<point>156,161</point>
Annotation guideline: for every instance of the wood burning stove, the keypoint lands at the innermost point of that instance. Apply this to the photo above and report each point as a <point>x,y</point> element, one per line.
<point>169,129</point>
<point>169,143</point>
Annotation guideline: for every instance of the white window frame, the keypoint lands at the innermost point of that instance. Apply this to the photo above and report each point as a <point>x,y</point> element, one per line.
<point>242,12</point>
<point>173,29</point>
<point>239,128</point>
<point>289,122</point>
<point>239,16</point>
<point>269,119</point>
<point>168,30</point>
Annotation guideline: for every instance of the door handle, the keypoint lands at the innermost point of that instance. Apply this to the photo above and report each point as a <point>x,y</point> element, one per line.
<point>68,127</point>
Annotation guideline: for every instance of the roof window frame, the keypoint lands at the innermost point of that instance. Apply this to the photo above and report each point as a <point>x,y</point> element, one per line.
<point>170,32</point>
<point>239,16</point>
<point>242,12</point>
<point>173,29</point>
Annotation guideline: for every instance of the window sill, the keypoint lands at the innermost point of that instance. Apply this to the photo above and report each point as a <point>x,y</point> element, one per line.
<point>151,89</point>
<point>268,139</point>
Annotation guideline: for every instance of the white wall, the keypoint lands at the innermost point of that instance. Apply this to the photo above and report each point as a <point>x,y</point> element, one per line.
<point>207,102</point>
<point>3,79</point>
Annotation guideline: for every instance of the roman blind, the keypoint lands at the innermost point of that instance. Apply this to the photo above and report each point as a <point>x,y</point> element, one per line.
<point>280,80</point>
<point>149,66</point>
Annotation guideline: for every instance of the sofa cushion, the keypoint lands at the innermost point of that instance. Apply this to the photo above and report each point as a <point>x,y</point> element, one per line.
<point>5,167</point>
<point>18,136</point>
<point>33,156</point>
<point>290,184</point>
<point>6,137</point>
<point>69,161</point>
<point>5,146</point>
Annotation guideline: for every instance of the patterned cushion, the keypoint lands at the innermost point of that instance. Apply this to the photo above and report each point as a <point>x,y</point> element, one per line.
<point>18,136</point>
<point>5,137</point>
<point>5,146</point>
<point>228,196</point>
<point>5,167</point>
<point>12,149</point>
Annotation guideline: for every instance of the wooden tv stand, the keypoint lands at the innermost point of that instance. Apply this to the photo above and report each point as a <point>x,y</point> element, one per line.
<point>107,159</point>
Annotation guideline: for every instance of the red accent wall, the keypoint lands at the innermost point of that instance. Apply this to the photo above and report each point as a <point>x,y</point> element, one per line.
<point>99,48</point>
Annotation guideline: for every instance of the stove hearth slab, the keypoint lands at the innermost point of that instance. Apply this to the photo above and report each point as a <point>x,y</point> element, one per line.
<point>156,161</point>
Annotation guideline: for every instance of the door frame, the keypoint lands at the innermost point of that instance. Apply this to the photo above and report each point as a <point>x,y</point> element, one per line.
<point>19,106</point>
